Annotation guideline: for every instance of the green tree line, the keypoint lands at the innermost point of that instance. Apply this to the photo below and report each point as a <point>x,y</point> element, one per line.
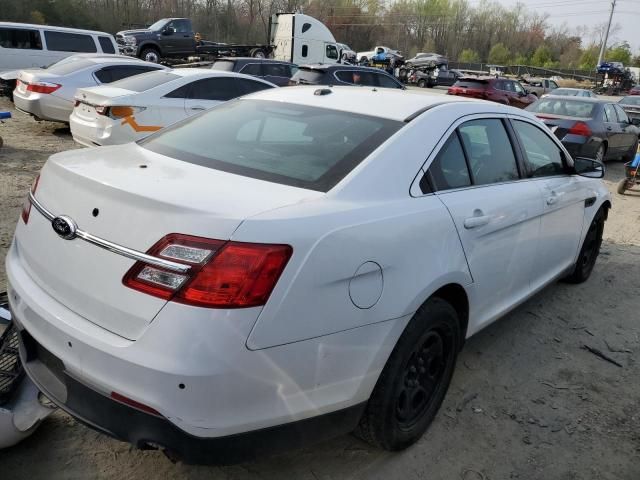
<point>484,32</point>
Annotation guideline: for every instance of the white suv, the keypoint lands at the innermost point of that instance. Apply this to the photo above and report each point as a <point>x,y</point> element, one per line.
<point>291,265</point>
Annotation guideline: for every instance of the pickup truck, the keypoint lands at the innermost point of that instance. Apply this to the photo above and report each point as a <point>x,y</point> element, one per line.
<point>538,86</point>
<point>175,38</point>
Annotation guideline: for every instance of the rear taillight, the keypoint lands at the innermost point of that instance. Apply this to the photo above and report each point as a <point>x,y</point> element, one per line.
<point>222,274</point>
<point>580,128</point>
<point>26,206</point>
<point>42,87</point>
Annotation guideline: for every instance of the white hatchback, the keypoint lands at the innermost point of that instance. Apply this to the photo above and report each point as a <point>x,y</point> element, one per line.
<point>291,265</point>
<point>133,108</point>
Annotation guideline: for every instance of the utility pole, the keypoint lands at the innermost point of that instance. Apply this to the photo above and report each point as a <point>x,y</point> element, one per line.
<point>603,47</point>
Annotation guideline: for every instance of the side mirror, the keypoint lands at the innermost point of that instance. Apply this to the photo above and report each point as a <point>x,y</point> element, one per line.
<point>635,121</point>
<point>168,31</point>
<point>588,167</point>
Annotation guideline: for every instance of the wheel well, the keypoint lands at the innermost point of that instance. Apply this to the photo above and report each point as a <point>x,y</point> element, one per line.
<point>151,46</point>
<point>456,296</point>
<point>607,206</point>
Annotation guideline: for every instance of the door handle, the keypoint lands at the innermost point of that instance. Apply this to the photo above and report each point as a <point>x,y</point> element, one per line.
<point>609,128</point>
<point>198,107</point>
<point>553,199</point>
<point>478,220</point>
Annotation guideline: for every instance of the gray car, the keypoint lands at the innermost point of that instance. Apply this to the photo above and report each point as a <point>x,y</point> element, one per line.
<point>631,105</point>
<point>48,94</point>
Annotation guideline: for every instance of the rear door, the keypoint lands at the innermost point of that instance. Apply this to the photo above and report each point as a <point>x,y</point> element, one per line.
<point>477,176</point>
<point>209,92</point>
<point>563,200</point>
<point>613,131</point>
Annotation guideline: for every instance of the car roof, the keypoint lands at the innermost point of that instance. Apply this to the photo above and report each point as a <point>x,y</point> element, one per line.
<point>387,103</point>
<point>188,72</point>
<point>251,59</point>
<point>573,88</point>
<point>53,28</point>
<point>325,67</point>
<point>577,99</point>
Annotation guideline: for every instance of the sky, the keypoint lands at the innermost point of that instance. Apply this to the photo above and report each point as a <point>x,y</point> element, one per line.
<point>590,13</point>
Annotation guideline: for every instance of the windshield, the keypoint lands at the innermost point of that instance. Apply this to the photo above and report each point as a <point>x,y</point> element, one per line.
<point>145,81</point>
<point>158,25</point>
<point>290,144</point>
<point>631,100</point>
<point>563,107</point>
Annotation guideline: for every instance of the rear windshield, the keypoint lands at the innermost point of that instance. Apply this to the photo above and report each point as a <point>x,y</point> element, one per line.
<point>65,68</point>
<point>471,84</point>
<point>308,77</point>
<point>146,81</point>
<point>566,92</point>
<point>223,65</point>
<point>296,145</point>
<point>564,107</point>
<point>632,100</point>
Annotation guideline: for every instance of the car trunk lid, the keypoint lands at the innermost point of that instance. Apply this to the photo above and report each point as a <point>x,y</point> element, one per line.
<point>560,125</point>
<point>131,197</point>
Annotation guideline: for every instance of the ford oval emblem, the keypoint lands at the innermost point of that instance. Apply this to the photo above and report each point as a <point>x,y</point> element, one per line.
<point>65,227</point>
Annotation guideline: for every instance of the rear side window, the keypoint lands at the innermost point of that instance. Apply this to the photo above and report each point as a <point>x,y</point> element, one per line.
<point>221,89</point>
<point>113,74</point>
<point>471,84</point>
<point>252,69</point>
<point>489,151</point>
<point>223,65</point>
<point>449,169</point>
<point>69,42</point>
<point>308,77</point>
<point>357,77</point>
<point>276,142</point>
<point>147,81</point>
<point>20,38</point>
<point>182,92</point>
<point>106,45</point>
<point>610,114</point>
<point>622,116</point>
<point>542,155</point>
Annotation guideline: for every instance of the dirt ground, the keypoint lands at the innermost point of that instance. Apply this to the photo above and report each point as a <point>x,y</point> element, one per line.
<point>527,400</point>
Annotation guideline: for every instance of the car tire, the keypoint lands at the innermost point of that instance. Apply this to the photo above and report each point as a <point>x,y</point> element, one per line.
<point>415,379</point>
<point>622,186</point>
<point>150,55</point>
<point>422,83</point>
<point>601,153</point>
<point>257,53</point>
<point>631,154</point>
<point>589,251</point>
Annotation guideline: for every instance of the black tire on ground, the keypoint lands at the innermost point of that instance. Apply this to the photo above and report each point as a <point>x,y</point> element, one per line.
<point>589,251</point>
<point>257,53</point>
<point>1,142</point>
<point>422,83</point>
<point>150,54</point>
<point>631,154</point>
<point>622,186</point>
<point>415,379</point>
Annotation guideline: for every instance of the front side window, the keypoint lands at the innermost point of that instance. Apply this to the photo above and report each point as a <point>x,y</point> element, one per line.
<point>20,38</point>
<point>518,88</point>
<point>552,84</point>
<point>106,44</point>
<point>332,52</point>
<point>180,26</point>
<point>277,70</point>
<point>449,169</point>
<point>69,42</point>
<point>296,145</point>
<point>542,155</point>
<point>489,150</point>
<point>357,77</point>
<point>385,81</point>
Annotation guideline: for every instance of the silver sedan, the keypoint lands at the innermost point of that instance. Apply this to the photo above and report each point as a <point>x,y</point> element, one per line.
<point>48,94</point>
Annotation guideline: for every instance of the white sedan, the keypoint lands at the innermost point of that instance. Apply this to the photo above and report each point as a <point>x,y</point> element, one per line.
<point>48,93</point>
<point>292,265</point>
<point>133,108</point>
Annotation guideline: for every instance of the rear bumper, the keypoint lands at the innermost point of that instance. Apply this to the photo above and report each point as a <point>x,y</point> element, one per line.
<point>579,146</point>
<point>147,431</point>
<point>50,109</point>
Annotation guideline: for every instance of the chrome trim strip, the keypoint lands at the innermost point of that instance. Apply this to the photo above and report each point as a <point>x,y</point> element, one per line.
<point>114,247</point>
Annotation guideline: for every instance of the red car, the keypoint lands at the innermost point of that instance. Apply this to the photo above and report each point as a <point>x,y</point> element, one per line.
<point>635,90</point>
<point>501,90</point>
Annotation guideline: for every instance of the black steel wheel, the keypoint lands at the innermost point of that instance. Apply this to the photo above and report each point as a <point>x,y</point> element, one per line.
<point>415,379</point>
<point>589,251</point>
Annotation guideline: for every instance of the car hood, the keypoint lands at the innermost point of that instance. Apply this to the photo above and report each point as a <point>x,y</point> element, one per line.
<point>135,33</point>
